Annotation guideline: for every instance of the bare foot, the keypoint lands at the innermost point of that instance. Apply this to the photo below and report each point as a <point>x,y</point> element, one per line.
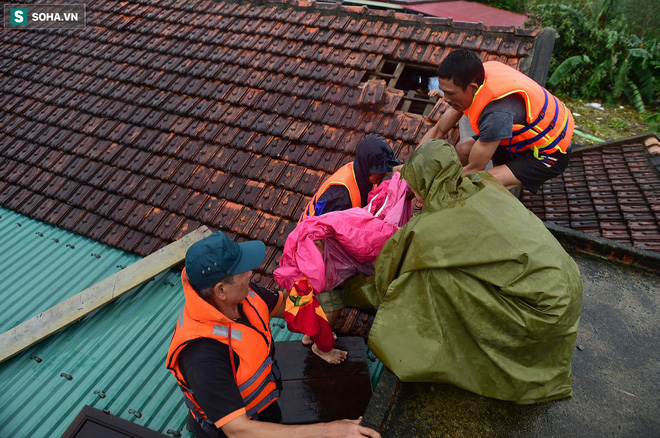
<point>307,341</point>
<point>333,356</point>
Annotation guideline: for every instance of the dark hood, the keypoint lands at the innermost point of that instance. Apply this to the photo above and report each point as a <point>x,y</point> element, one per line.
<point>373,155</point>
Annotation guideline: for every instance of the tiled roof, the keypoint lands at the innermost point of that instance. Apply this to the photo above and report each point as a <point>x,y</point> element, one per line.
<point>610,191</point>
<point>161,116</point>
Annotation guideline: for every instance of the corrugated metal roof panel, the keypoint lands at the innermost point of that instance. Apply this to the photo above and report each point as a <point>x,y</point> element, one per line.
<point>115,357</point>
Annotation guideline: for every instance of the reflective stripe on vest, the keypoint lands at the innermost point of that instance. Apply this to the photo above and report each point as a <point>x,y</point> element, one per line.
<point>549,124</point>
<point>345,176</point>
<point>275,375</point>
<point>223,330</point>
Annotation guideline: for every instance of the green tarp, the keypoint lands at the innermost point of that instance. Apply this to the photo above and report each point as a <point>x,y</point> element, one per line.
<point>474,290</point>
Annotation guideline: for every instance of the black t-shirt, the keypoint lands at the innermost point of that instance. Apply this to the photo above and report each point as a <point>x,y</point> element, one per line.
<point>206,367</point>
<point>498,117</point>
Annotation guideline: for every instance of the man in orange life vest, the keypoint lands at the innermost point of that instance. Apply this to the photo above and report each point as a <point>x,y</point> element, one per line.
<point>348,188</point>
<point>524,129</point>
<point>222,351</point>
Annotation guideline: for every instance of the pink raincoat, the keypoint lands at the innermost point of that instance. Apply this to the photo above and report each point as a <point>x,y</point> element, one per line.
<point>354,240</point>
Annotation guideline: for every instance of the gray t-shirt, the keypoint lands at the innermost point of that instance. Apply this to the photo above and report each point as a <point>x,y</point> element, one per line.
<point>498,117</point>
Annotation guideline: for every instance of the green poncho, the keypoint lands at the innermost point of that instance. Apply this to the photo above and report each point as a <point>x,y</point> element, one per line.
<point>474,290</point>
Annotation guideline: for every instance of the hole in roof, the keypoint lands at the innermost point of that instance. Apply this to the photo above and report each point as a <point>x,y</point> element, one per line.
<point>413,80</point>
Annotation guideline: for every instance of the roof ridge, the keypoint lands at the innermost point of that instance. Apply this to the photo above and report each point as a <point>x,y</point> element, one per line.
<point>416,19</point>
<point>616,142</point>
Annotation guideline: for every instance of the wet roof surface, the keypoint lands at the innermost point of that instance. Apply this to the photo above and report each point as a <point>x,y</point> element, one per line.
<point>611,191</point>
<point>162,116</point>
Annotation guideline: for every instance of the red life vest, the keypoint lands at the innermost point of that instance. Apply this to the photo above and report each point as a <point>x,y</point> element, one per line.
<point>549,125</point>
<point>345,176</point>
<point>257,375</point>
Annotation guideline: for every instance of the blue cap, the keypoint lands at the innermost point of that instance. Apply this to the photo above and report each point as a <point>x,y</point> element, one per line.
<point>216,257</point>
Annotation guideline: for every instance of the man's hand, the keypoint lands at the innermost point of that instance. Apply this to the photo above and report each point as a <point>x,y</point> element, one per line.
<point>351,428</point>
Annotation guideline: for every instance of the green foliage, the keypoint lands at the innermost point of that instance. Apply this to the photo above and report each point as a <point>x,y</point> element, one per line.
<point>654,122</point>
<point>596,56</point>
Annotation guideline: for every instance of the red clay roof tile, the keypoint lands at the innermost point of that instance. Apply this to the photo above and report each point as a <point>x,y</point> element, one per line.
<point>250,103</point>
<point>604,195</point>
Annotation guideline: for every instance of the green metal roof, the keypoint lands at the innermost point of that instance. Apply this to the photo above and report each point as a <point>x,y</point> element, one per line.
<point>115,356</point>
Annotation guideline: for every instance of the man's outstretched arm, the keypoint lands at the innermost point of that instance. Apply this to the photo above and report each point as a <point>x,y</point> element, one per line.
<point>244,427</point>
<point>448,120</point>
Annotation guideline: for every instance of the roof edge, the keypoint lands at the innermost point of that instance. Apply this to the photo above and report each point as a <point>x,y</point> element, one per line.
<point>605,247</point>
<point>617,142</point>
<point>412,18</point>
<point>537,65</point>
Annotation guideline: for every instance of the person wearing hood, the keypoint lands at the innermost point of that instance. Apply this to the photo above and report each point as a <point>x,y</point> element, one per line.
<point>474,290</point>
<point>222,352</point>
<point>348,187</point>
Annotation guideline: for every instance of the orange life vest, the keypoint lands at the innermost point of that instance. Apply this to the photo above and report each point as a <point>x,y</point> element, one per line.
<point>257,375</point>
<point>549,125</point>
<point>345,176</point>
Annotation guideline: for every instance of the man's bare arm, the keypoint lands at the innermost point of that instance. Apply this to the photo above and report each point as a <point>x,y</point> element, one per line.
<point>244,427</point>
<point>480,154</point>
<point>448,120</point>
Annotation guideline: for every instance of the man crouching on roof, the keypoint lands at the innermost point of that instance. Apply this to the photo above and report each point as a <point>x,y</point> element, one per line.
<point>222,351</point>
